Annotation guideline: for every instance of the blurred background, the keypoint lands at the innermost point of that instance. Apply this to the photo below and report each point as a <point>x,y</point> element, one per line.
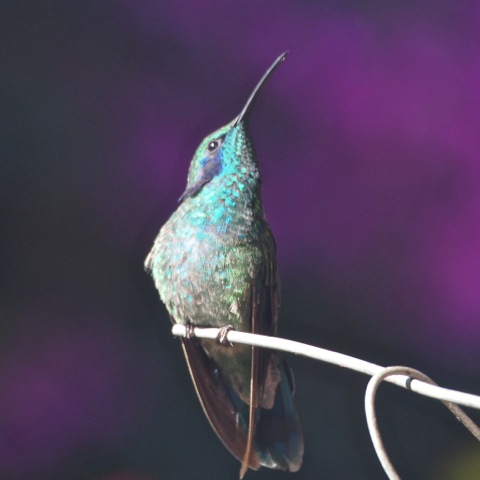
<point>368,139</point>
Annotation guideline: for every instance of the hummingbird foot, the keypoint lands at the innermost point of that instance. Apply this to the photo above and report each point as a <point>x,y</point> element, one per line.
<point>189,331</point>
<point>222,335</point>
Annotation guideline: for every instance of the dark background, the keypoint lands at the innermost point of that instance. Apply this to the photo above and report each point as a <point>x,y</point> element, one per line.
<point>368,138</point>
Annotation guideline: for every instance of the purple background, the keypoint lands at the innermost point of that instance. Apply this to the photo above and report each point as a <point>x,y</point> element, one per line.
<point>368,138</point>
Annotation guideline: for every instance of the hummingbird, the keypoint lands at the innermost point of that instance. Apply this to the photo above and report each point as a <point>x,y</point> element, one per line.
<point>214,265</point>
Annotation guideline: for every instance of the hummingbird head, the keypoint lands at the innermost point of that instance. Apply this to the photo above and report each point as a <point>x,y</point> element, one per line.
<point>229,150</point>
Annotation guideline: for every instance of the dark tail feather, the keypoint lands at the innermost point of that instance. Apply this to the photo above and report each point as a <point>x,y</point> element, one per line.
<point>278,441</point>
<point>278,436</point>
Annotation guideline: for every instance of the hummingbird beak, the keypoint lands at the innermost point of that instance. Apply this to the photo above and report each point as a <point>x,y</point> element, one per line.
<point>251,100</point>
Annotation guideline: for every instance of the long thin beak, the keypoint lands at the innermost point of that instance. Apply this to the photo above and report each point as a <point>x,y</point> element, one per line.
<point>251,100</point>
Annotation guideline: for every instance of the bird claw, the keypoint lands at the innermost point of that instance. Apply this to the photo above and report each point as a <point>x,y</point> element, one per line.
<point>222,335</point>
<point>189,331</point>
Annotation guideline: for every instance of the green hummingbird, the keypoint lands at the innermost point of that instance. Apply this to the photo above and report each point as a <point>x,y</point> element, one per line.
<point>214,265</point>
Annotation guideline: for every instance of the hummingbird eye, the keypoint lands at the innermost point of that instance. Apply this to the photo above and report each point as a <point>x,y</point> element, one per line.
<point>212,146</point>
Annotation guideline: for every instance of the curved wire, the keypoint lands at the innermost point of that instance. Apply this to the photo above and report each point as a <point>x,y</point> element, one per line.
<point>335,358</point>
<point>371,415</point>
<point>405,377</point>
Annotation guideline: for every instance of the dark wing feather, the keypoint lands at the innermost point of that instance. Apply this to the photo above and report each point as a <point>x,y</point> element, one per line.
<point>264,303</point>
<point>278,438</point>
<point>216,401</point>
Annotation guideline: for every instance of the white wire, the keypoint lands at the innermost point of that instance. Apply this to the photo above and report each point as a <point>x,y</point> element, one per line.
<point>405,377</point>
<point>372,424</point>
<point>335,358</point>
<point>372,421</point>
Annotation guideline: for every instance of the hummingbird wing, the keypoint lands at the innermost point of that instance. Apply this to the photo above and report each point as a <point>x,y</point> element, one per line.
<point>275,434</point>
<point>220,407</point>
<point>264,304</point>
<point>256,386</point>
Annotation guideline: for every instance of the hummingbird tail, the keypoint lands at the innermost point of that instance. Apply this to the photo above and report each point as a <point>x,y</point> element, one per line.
<point>278,435</point>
